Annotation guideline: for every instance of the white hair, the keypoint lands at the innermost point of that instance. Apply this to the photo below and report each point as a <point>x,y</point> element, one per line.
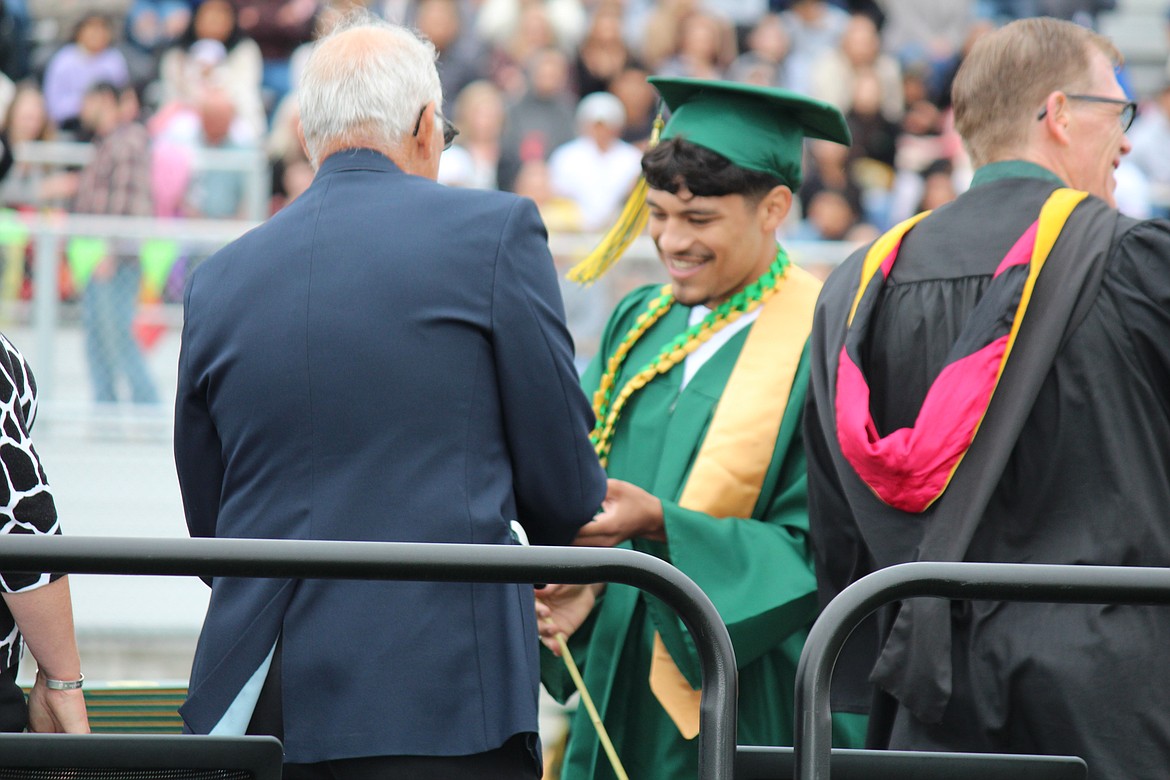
<point>366,87</point>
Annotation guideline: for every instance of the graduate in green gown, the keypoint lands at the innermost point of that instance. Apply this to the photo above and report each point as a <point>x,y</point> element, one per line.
<point>698,388</point>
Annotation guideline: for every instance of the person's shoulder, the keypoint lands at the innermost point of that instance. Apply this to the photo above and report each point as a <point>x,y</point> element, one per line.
<point>1151,235</point>
<point>476,199</point>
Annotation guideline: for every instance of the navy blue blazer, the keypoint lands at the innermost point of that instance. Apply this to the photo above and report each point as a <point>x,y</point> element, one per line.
<point>385,359</point>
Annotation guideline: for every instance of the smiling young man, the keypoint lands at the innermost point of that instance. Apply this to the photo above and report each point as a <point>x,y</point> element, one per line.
<point>989,383</point>
<point>698,390</point>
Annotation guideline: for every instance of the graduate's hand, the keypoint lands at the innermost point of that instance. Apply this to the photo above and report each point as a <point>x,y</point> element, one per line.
<point>627,512</point>
<point>561,609</point>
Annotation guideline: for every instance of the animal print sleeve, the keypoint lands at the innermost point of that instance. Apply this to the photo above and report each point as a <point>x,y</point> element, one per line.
<point>26,503</point>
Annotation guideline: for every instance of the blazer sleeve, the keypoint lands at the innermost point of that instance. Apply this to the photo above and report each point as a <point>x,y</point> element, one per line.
<point>557,479</point>
<point>198,455</point>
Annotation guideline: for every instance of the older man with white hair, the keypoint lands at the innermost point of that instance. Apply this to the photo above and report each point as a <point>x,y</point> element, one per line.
<point>386,359</point>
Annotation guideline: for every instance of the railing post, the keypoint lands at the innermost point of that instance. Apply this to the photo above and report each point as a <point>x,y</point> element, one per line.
<point>46,301</point>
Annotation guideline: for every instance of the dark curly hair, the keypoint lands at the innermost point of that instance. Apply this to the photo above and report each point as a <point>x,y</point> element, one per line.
<point>674,164</point>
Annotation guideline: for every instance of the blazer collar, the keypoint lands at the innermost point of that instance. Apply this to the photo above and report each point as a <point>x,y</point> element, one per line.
<point>357,159</point>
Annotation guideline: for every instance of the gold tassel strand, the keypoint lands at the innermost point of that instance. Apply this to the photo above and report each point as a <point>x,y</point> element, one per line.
<point>629,226</point>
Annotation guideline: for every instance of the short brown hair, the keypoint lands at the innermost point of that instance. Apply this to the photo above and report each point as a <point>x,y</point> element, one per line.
<point>1004,81</point>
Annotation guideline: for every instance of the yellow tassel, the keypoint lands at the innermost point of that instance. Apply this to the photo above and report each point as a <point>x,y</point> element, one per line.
<point>629,226</point>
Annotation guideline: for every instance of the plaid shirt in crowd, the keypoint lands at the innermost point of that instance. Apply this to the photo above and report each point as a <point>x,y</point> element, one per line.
<point>117,180</point>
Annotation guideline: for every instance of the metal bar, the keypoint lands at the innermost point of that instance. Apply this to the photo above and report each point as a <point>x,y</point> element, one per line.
<point>46,297</point>
<point>995,581</point>
<point>431,562</point>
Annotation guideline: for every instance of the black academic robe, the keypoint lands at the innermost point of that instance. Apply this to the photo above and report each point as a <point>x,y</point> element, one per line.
<point>1087,482</point>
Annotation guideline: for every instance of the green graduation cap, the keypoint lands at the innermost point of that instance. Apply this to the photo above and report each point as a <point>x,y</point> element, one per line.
<point>758,128</point>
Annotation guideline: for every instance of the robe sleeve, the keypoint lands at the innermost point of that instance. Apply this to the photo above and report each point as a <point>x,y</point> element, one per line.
<point>757,571</point>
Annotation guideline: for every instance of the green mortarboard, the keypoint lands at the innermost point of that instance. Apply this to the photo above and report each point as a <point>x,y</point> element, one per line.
<point>759,128</point>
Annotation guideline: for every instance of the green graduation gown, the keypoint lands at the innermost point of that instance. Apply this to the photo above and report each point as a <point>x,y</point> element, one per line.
<point>757,571</point>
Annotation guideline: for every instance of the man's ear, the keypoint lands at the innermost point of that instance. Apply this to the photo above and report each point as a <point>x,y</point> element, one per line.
<point>420,143</point>
<point>305,145</point>
<point>774,207</point>
<point>1055,117</point>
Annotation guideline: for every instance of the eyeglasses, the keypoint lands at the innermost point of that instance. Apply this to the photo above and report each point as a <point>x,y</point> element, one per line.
<point>449,130</point>
<point>1128,110</point>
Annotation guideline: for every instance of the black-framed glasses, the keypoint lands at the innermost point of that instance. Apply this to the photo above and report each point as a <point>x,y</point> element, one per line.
<point>1128,108</point>
<point>449,130</point>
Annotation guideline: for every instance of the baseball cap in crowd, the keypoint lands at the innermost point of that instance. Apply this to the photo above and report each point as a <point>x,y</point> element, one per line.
<point>602,107</point>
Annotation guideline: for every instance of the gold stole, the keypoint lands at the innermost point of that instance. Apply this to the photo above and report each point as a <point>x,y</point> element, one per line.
<point>728,473</point>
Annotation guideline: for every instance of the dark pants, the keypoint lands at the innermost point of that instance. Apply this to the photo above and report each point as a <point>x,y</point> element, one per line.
<point>516,759</point>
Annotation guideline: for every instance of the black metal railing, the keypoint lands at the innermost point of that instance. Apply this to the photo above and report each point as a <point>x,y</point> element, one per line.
<point>996,581</point>
<point>429,562</point>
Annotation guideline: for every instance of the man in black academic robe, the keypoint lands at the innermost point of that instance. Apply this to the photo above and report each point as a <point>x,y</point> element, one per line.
<point>1070,462</point>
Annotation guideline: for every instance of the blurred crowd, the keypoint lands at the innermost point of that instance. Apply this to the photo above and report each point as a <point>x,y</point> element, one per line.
<point>550,96</point>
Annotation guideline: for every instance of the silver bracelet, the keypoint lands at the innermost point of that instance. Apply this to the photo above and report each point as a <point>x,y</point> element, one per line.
<point>64,685</point>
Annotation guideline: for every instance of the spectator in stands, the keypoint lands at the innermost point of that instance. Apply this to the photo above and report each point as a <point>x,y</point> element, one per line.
<point>535,33</point>
<point>1058,453</point>
<point>541,120</point>
<point>706,47</point>
<point>872,155</point>
<point>859,52</point>
<point>874,136</point>
<point>938,185</point>
<point>1150,137</point>
<point>36,610</point>
<point>294,404</point>
<point>291,170</point>
<point>89,59</point>
<point>475,159</point>
<point>640,102</point>
<point>215,52</point>
<point>597,169</point>
<point>814,28</point>
<point>278,27</point>
<point>603,55</point>
<point>53,23</point>
<point>830,215</point>
<point>559,213</point>
<point>153,25</point>
<point>938,86</point>
<point>927,32</point>
<point>827,168</point>
<point>764,61</point>
<point>920,144</point>
<point>216,193</point>
<point>499,22</point>
<point>662,32</point>
<point>117,182</point>
<point>742,14</point>
<point>26,185</point>
<point>462,58</point>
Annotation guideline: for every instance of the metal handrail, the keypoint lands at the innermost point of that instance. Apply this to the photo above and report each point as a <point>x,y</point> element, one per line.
<point>996,581</point>
<point>429,562</point>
